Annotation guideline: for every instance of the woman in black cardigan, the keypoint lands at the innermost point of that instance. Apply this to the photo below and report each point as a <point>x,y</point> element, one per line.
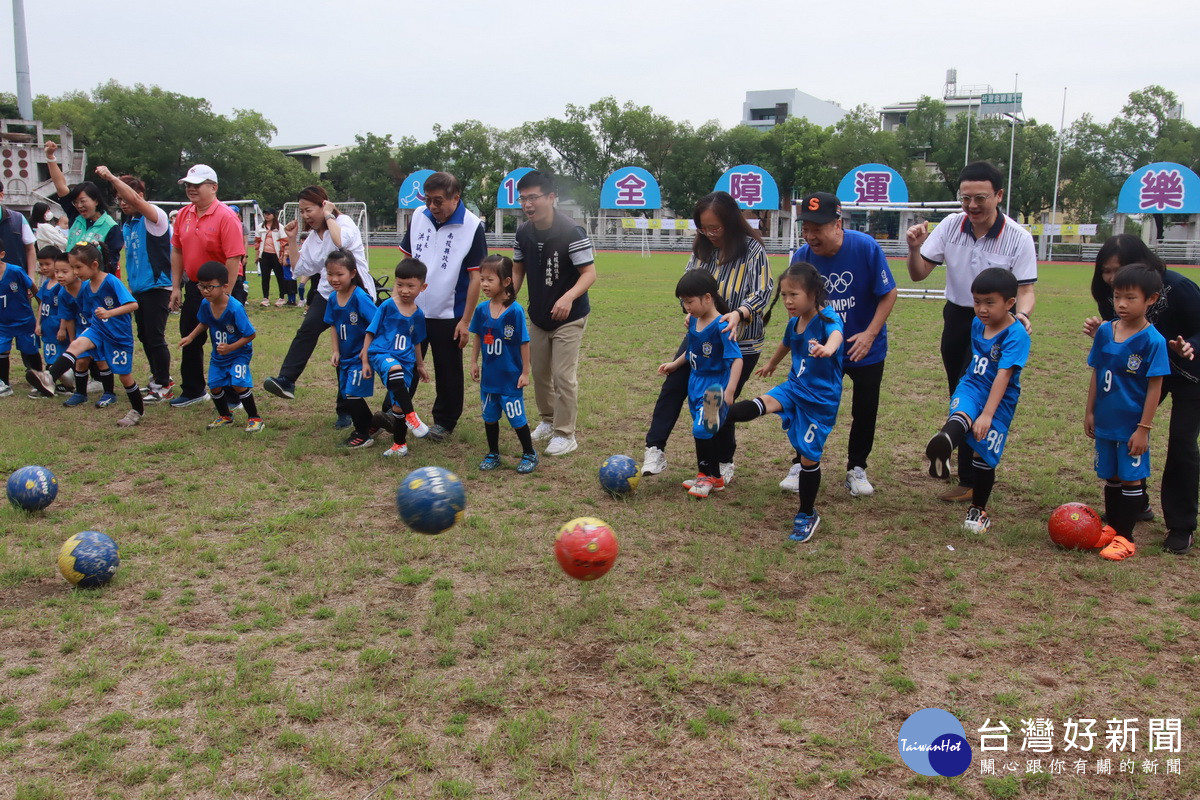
<point>1175,315</point>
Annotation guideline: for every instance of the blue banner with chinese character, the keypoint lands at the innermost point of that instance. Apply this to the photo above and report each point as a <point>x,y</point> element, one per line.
<point>630,189</point>
<point>412,190</point>
<point>752,187</point>
<point>506,193</point>
<point>872,184</point>
<point>1160,188</point>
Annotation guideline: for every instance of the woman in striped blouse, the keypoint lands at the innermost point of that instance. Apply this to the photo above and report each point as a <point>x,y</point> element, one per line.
<point>728,248</point>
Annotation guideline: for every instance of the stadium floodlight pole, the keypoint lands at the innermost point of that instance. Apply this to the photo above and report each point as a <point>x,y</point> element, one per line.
<point>1012,143</point>
<point>967,149</point>
<point>1062,121</point>
<point>21,50</point>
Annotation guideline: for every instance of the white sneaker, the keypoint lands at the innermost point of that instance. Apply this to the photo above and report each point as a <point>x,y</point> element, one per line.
<point>5,390</point>
<point>94,386</point>
<point>654,461</point>
<point>544,430</point>
<point>130,419</point>
<point>727,473</point>
<point>560,446</point>
<point>857,483</point>
<point>792,482</point>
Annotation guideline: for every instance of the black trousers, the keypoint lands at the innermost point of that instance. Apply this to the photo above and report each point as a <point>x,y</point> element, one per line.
<point>269,264</point>
<point>864,410</point>
<point>305,340</point>
<point>673,395</point>
<point>154,306</point>
<point>1181,471</point>
<point>448,380</point>
<point>956,358</point>
<point>191,360</point>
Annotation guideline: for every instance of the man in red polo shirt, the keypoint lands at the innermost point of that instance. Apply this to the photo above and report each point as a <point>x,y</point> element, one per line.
<point>206,230</point>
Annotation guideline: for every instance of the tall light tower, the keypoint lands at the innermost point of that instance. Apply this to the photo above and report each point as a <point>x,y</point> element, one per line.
<point>21,49</point>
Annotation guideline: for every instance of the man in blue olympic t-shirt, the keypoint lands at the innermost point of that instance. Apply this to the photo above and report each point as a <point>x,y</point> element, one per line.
<point>862,290</point>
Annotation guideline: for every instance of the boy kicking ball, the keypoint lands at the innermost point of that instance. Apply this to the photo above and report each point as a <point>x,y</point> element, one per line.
<point>985,399</point>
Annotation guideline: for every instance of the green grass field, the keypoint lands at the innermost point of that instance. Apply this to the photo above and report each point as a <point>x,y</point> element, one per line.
<point>274,631</point>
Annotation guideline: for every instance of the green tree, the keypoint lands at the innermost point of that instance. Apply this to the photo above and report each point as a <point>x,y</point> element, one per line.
<point>368,173</point>
<point>692,168</point>
<point>859,139</point>
<point>157,135</point>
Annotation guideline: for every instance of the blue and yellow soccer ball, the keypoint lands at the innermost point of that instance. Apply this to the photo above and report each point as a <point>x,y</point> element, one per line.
<point>619,475</point>
<point>431,500</point>
<point>32,488</point>
<point>89,559</point>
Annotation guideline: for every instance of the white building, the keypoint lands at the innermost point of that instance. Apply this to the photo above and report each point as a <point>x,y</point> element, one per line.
<point>766,109</point>
<point>958,99</point>
<point>313,157</point>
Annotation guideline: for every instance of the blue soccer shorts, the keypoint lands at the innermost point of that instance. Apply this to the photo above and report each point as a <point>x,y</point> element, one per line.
<point>511,406</point>
<point>807,424</point>
<point>991,447</point>
<point>119,357</point>
<point>1113,461</point>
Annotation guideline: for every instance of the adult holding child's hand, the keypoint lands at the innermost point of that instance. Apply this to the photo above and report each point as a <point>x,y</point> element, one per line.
<point>732,252</point>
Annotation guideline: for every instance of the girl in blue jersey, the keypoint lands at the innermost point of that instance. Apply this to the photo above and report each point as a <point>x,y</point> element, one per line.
<point>807,402</point>
<point>350,311</point>
<point>715,363</point>
<point>499,326</point>
<point>392,350</point>
<point>106,305</point>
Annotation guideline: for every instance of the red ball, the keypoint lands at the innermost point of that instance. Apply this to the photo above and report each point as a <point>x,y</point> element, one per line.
<point>1075,526</point>
<point>586,548</point>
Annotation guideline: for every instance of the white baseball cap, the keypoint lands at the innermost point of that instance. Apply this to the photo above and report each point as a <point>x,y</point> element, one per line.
<point>201,173</point>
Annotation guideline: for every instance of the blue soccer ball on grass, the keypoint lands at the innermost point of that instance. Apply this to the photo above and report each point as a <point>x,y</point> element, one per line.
<point>619,475</point>
<point>431,500</point>
<point>89,559</point>
<point>32,488</point>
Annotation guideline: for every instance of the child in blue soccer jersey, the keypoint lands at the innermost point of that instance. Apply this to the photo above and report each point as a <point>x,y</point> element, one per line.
<point>349,312</point>
<point>807,402</point>
<point>17,322</point>
<point>232,334</point>
<point>47,318</point>
<point>69,325</point>
<point>499,325</point>
<point>391,350</point>
<point>716,365</point>
<point>983,404</point>
<point>104,305</point>
<point>1128,360</point>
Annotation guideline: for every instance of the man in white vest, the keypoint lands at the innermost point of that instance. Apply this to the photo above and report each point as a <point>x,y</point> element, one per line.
<point>449,240</point>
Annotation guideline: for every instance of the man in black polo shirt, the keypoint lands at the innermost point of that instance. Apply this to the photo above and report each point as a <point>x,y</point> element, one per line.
<point>556,254</point>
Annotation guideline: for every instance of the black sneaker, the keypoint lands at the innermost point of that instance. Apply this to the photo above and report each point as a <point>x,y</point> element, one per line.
<point>938,451</point>
<point>280,388</point>
<point>355,441</point>
<point>437,433</point>
<point>342,422</point>
<point>1146,515</point>
<point>385,420</point>
<point>1178,542</point>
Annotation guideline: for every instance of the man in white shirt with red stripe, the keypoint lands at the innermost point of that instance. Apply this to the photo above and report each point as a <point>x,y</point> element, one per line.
<point>978,237</point>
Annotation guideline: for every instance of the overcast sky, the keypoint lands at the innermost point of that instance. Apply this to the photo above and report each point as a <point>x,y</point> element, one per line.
<point>325,71</point>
